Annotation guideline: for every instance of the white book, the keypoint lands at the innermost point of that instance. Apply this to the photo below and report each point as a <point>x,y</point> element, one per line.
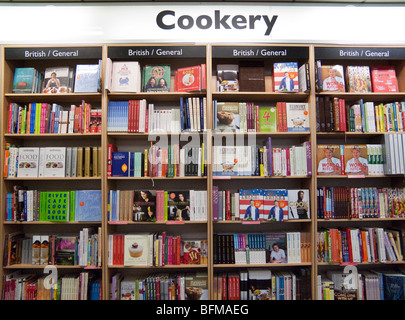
<point>108,75</point>
<point>71,118</point>
<point>68,166</point>
<point>28,162</point>
<point>73,163</point>
<point>126,76</point>
<point>54,162</point>
<point>401,153</point>
<point>205,113</point>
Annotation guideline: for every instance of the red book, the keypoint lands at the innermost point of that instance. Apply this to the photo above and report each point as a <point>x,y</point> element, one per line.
<point>257,118</point>
<point>224,287</point>
<point>342,115</point>
<point>203,77</point>
<point>228,205</point>
<point>284,107</point>
<point>188,79</point>
<point>137,112</point>
<point>111,148</point>
<point>384,79</point>
<point>279,117</point>
<point>99,122</point>
<point>147,120</point>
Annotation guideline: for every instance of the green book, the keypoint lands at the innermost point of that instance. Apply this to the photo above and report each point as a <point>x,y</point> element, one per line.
<point>72,200</point>
<point>267,119</point>
<point>57,206</point>
<point>165,205</point>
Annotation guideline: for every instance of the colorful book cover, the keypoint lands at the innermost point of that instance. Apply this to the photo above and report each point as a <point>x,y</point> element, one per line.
<point>276,248</point>
<point>358,78</point>
<point>251,204</point>
<point>394,286</point>
<point>88,205</point>
<point>297,116</point>
<point>260,284</point>
<point>196,286</point>
<point>28,162</point>
<point>136,250</point>
<point>65,250</point>
<point>126,76</point>
<point>156,78</point>
<point>56,206</point>
<point>356,160</point>
<point>298,204</point>
<point>328,160</point>
<point>56,80</point>
<point>145,205</point>
<point>188,79</point>
<point>267,119</point>
<point>227,116</point>
<point>232,161</point>
<point>178,205</point>
<point>275,204</point>
<point>120,164</point>
<point>87,78</point>
<point>333,78</point>
<point>384,79</point>
<point>285,76</point>
<point>24,79</point>
<point>228,77</point>
<point>191,252</point>
<point>52,161</point>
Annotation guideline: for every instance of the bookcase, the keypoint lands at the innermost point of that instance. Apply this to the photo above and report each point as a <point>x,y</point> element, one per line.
<point>207,178</point>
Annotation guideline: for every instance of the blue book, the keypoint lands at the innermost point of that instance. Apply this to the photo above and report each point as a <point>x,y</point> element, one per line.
<point>182,114</point>
<point>132,164</point>
<point>201,115</point>
<point>88,205</point>
<point>120,164</point>
<point>24,79</point>
<point>87,78</point>
<point>394,286</point>
<point>32,119</point>
<point>187,127</point>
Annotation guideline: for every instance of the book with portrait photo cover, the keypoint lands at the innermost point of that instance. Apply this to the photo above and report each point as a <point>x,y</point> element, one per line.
<point>332,78</point>
<point>285,77</point>
<point>275,254</point>
<point>356,159</point>
<point>298,204</point>
<point>144,205</point>
<point>156,78</point>
<point>329,160</point>
<point>57,80</point>
<point>178,205</point>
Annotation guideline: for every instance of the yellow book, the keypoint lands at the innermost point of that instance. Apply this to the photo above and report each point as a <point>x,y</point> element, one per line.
<point>87,161</point>
<point>146,162</point>
<point>99,161</point>
<point>377,117</point>
<point>79,170</point>
<point>262,165</point>
<point>95,162</point>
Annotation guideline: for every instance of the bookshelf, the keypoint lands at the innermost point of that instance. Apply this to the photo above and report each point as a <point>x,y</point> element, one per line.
<point>184,55</point>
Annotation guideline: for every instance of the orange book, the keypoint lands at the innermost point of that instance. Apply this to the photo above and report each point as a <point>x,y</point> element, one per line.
<point>364,246</point>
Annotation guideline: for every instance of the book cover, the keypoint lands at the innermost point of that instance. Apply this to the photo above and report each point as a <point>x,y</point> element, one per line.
<point>267,119</point>
<point>156,78</point>
<point>24,79</point>
<point>285,77</point>
<point>88,205</point>
<point>28,161</point>
<point>87,78</point>
<point>384,79</point>
<point>251,204</point>
<point>56,206</point>
<point>232,161</point>
<point>145,205</point>
<point>356,160</point>
<point>126,76</point>
<point>394,286</point>
<point>260,284</point>
<point>120,164</point>
<point>188,79</point>
<point>328,160</point>
<point>227,116</point>
<point>333,78</point>
<point>228,77</point>
<point>297,116</point>
<point>196,286</point>
<point>136,250</point>
<point>275,204</point>
<point>53,164</point>
<point>178,205</point>
<point>358,78</point>
<point>276,248</point>
<point>65,250</point>
<point>251,76</point>
<point>128,288</point>
<point>191,252</point>
<point>56,80</point>
<point>298,204</point>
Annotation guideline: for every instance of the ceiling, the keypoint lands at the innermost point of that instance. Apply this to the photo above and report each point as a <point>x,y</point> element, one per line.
<point>259,1</point>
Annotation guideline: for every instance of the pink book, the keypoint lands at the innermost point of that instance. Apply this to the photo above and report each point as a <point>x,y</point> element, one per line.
<point>10,114</point>
<point>43,115</point>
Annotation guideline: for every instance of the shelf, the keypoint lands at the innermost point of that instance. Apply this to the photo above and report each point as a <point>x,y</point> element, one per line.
<point>53,135</point>
<point>154,96</point>
<point>54,98</point>
<point>35,266</point>
<point>181,266</point>
<point>164,223</point>
<point>157,178</point>
<point>257,177</point>
<point>370,96</point>
<point>261,265</point>
<point>361,263</point>
<point>360,176</point>
<point>49,223</point>
<point>364,220</point>
<point>248,222</point>
<point>51,178</point>
<point>263,134</point>
<point>127,135</point>
<point>272,96</point>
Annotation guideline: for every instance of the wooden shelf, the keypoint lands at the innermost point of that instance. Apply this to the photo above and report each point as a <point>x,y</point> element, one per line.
<point>35,266</point>
<point>257,177</point>
<point>53,98</point>
<point>261,265</point>
<point>51,178</point>
<point>54,136</point>
<point>154,96</point>
<point>257,96</point>
<point>368,96</point>
<point>49,223</point>
<point>248,222</point>
<point>181,266</point>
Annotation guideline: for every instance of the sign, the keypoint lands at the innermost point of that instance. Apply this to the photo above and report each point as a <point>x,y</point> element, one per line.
<point>359,53</point>
<point>53,53</point>
<point>120,52</point>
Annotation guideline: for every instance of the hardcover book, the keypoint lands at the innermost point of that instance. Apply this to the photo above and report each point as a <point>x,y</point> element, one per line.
<point>56,80</point>
<point>144,208</point>
<point>196,286</point>
<point>384,79</point>
<point>126,76</point>
<point>298,204</point>
<point>358,78</point>
<point>329,160</point>
<point>24,79</point>
<point>250,204</point>
<point>276,248</point>
<point>188,79</point>
<point>297,117</point>
<point>136,250</point>
<point>251,76</point>
<point>156,78</point>
<point>178,205</point>
<point>52,161</point>
<point>356,160</point>
<point>87,78</point>
<point>267,119</point>
<point>285,77</point>
<point>275,205</point>
<point>56,206</point>
<point>88,205</point>
<point>191,252</point>
<point>332,78</point>
<point>228,77</point>
<point>260,284</point>
<point>28,161</point>
<point>65,250</point>
<point>120,164</point>
<point>227,116</point>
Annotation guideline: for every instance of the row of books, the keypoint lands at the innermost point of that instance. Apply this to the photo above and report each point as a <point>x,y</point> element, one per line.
<point>56,206</point>
<point>261,204</point>
<point>35,118</point>
<point>157,205</point>
<point>129,76</point>
<point>333,115</point>
<point>74,250</point>
<point>85,78</point>
<point>48,162</point>
<point>158,249</point>
<point>139,116</point>
<point>267,161</point>
<point>24,286</point>
<point>162,286</point>
<point>158,161</point>
<point>367,285</point>
<point>250,117</point>
<point>360,203</point>
<point>262,284</point>
<point>360,79</point>
<point>354,245</point>
<point>249,76</point>
<point>261,248</point>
